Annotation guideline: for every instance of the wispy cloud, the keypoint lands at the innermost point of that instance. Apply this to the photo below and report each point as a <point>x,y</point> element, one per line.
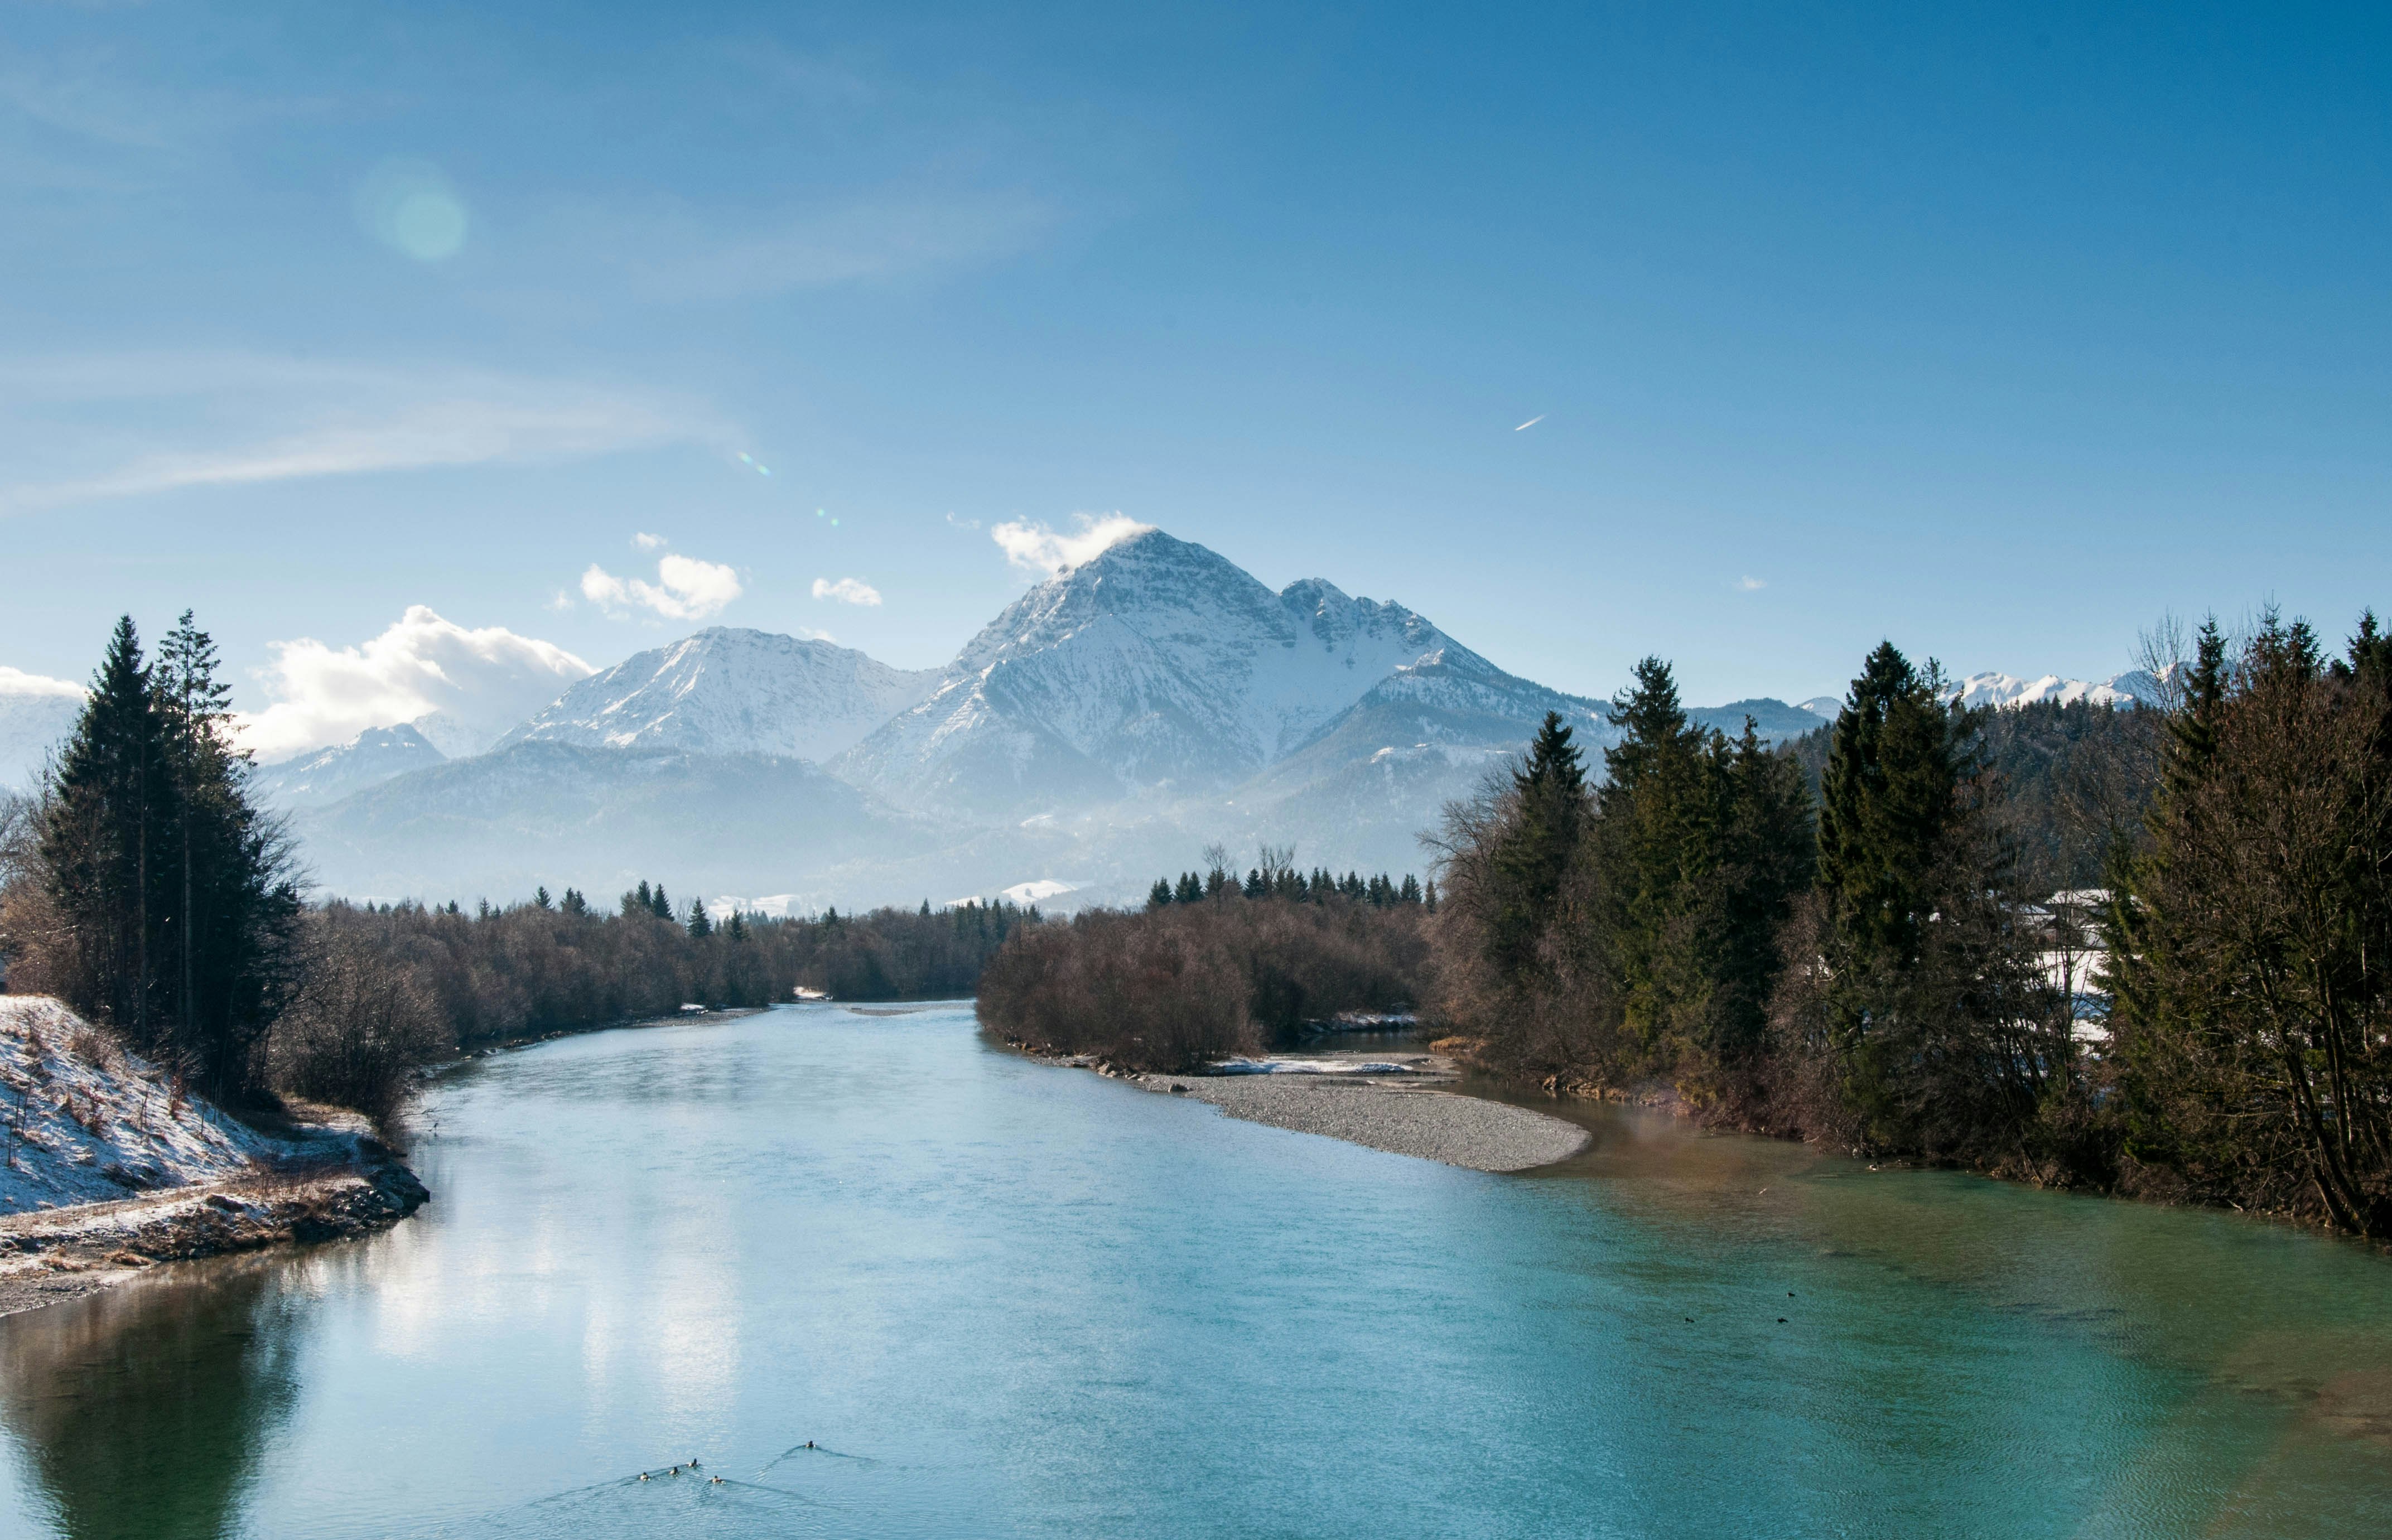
<point>243,420</point>
<point>482,680</point>
<point>646,541</point>
<point>847,590</point>
<point>685,589</point>
<point>676,254</point>
<point>1039,548</point>
<point>1750,584</point>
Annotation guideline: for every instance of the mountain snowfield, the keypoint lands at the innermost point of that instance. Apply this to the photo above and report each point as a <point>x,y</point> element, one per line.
<point>1105,727</point>
<point>731,691</point>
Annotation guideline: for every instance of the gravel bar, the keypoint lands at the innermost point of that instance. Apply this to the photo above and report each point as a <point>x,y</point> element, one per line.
<point>1433,1125</point>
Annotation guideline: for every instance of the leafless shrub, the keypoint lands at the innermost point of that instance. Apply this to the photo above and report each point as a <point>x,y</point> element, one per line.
<point>362,1024</point>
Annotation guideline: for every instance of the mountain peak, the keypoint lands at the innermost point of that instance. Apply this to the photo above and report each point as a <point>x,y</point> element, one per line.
<point>731,689</point>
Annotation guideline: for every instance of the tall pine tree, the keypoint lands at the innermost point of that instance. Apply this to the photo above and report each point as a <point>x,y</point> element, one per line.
<point>175,897</point>
<point>1549,817</point>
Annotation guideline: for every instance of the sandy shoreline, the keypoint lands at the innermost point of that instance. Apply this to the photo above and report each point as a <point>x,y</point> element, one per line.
<point>1414,1113</point>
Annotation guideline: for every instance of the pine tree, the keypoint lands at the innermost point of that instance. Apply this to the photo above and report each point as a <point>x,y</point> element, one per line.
<point>174,892</point>
<point>700,926</point>
<point>539,899</point>
<point>1549,816</point>
<point>659,905</point>
<point>1159,896</point>
<point>1886,803</point>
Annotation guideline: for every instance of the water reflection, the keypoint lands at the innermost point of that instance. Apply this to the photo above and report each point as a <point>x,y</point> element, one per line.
<point>145,1412</point>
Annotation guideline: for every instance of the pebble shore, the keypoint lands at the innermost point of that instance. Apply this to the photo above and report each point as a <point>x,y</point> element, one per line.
<point>1417,1121</point>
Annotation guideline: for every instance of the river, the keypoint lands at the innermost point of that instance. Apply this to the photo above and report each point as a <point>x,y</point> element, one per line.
<point>1003,1298</point>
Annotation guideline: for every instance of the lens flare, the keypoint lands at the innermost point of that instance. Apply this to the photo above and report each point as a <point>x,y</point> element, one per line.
<point>756,465</point>
<point>410,207</point>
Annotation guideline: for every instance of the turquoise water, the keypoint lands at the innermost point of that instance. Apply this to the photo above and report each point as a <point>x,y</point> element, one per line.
<point>1008,1299</point>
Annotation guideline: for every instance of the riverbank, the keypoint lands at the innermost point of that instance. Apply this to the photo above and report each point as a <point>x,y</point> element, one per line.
<point>109,1165</point>
<point>1408,1107</point>
<point>60,1254</point>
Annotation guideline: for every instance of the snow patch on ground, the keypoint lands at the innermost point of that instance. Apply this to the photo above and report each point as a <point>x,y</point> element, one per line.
<point>83,1122</point>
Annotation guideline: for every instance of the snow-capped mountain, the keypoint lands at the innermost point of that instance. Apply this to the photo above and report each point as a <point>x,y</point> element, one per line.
<point>36,712</point>
<point>2136,687</point>
<point>1159,668</point>
<point>731,691</point>
<point>377,755</point>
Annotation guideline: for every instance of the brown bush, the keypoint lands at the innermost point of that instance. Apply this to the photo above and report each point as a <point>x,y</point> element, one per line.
<point>362,1026</point>
<point>1175,989</point>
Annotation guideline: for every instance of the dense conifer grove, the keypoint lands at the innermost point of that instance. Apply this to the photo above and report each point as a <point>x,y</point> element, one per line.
<point>1884,938</point>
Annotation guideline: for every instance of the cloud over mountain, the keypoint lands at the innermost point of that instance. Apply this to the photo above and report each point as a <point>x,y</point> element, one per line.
<point>460,685</point>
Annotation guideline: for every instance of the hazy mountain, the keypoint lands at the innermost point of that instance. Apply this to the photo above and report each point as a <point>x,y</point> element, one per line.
<point>36,712</point>
<point>377,755</point>
<point>498,824</point>
<point>1773,721</point>
<point>731,691</point>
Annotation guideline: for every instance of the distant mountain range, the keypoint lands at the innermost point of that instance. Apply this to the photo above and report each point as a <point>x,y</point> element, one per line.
<point>1105,727</point>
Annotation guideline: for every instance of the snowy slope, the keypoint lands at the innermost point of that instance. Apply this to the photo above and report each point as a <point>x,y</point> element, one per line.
<point>85,1122</point>
<point>36,712</point>
<point>731,691</point>
<point>377,755</point>
<point>1160,668</point>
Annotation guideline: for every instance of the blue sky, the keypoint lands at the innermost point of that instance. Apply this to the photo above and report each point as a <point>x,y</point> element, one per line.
<point>1998,331</point>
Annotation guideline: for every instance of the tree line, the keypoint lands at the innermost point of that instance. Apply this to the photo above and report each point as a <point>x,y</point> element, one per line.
<point>1276,876</point>
<point>1881,948</point>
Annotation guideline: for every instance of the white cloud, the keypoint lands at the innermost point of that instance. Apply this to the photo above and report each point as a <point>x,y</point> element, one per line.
<point>646,541</point>
<point>17,682</point>
<point>478,682</point>
<point>81,430</point>
<point>1749,584</point>
<point>1039,549</point>
<point>847,590</point>
<point>685,589</point>
<point>963,523</point>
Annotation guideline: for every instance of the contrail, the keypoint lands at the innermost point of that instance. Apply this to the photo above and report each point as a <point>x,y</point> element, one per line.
<point>1531,423</point>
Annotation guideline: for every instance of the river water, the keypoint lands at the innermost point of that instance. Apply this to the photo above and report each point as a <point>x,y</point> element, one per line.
<point>1003,1298</point>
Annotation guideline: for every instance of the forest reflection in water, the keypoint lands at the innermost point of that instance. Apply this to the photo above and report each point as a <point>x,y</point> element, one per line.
<point>146,1410</point>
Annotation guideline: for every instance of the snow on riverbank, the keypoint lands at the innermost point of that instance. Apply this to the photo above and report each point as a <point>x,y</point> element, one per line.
<point>83,1122</point>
